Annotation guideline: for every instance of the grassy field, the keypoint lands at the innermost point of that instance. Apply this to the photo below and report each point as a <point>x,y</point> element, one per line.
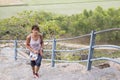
<point>61,1</point>
<point>67,7</point>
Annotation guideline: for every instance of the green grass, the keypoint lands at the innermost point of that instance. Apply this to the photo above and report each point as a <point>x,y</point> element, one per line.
<point>106,53</point>
<point>67,9</point>
<point>61,1</point>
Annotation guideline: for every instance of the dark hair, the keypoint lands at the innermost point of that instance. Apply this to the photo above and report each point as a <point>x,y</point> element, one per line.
<point>35,27</point>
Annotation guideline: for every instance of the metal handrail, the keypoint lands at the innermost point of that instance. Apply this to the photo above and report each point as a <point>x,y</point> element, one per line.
<point>90,48</point>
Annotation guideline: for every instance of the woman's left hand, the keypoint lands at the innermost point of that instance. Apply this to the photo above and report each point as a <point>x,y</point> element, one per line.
<point>41,52</point>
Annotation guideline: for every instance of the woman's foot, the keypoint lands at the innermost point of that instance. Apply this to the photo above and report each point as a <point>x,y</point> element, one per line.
<point>34,75</point>
<point>37,75</point>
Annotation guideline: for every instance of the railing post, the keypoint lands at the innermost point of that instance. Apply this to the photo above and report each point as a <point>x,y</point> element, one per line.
<point>53,52</point>
<point>15,49</point>
<point>91,50</point>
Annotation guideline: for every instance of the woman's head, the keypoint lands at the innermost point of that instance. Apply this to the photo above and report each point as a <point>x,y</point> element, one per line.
<point>35,29</point>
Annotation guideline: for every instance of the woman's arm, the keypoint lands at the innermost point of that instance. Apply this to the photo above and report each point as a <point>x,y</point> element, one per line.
<point>28,43</point>
<point>42,45</point>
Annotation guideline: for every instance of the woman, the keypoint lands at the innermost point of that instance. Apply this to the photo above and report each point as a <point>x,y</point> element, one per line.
<point>34,42</point>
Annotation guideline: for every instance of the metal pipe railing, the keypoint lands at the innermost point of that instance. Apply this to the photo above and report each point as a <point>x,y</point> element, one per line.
<point>90,48</point>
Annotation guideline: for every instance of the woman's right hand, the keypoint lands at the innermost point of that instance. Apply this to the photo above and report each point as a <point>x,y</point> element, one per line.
<point>36,52</point>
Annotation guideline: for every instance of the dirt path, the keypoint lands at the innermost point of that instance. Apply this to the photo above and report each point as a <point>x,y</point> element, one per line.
<point>20,70</point>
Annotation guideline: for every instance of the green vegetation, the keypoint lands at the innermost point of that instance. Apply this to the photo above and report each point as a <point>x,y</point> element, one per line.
<point>106,53</point>
<point>19,26</point>
<point>54,25</point>
<point>60,1</point>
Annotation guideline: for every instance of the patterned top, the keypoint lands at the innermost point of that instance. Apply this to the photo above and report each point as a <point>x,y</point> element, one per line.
<point>36,46</point>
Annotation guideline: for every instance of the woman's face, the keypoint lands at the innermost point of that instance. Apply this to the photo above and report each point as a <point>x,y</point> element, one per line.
<point>35,32</point>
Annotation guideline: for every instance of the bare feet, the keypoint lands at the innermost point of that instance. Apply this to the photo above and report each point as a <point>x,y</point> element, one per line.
<point>36,75</point>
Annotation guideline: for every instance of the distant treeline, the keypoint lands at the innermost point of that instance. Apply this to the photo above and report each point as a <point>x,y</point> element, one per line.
<point>55,25</point>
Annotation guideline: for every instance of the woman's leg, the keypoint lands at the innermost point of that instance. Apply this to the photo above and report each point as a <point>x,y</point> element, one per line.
<point>33,69</point>
<point>37,69</point>
<point>38,64</point>
<point>33,66</point>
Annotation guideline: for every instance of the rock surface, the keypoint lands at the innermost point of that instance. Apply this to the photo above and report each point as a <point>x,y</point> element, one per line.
<point>20,70</point>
